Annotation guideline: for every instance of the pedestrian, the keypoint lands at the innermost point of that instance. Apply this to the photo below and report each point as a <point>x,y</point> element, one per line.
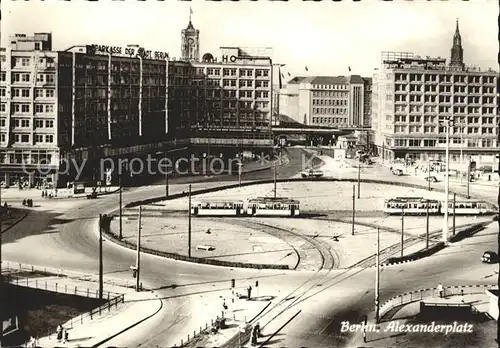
<point>59,332</point>
<point>224,305</point>
<point>440,290</point>
<point>249,292</point>
<point>257,330</point>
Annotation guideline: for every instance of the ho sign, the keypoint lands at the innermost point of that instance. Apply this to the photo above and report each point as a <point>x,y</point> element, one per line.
<point>229,59</point>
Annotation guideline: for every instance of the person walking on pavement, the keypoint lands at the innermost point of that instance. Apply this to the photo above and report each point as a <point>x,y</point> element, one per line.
<point>59,332</point>
<point>440,290</point>
<point>249,292</point>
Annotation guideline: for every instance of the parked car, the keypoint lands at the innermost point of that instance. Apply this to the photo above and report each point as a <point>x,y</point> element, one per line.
<point>310,173</point>
<point>489,257</point>
<point>431,179</point>
<point>398,172</point>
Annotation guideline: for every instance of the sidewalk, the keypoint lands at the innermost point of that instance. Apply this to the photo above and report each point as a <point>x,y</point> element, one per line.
<point>237,317</point>
<point>63,193</point>
<point>137,307</point>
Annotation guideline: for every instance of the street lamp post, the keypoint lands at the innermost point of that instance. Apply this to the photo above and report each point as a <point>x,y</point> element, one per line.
<point>449,123</point>
<point>377,279</point>
<point>121,203</point>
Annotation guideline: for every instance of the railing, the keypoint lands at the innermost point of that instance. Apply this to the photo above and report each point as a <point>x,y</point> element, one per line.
<point>15,267</point>
<point>419,295</point>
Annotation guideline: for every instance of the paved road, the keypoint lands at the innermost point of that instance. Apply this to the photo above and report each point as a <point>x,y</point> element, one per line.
<point>70,242</point>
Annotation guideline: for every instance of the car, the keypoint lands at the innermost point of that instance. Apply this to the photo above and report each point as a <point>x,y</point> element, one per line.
<point>398,172</point>
<point>489,257</point>
<point>310,173</point>
<point>431,179</point>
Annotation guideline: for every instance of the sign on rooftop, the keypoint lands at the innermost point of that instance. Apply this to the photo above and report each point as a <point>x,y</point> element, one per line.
<point>126,52</point>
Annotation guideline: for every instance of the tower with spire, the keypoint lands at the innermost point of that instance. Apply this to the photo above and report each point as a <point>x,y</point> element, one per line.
<point>190,42</point>
<point>457,52</point>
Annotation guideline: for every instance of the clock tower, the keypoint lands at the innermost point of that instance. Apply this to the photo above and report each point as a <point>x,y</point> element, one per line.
<point>190,42</point>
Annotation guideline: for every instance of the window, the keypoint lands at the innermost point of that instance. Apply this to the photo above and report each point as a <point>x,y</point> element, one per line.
<point>25,138</point>
<point>38,108</point>
<point>49,108</point>
<point>39,93</point>
<point>25,123</point>
<point>25,108</point>
<point>38,123</point>
<point>25,62</point>
<point>49,138</point>
<point>25,92</point>
<point>38,138</point>
<point>2,122</point>
<point>2,92</point>
<point>49,123</point>
<point>37,45</point>
<point>3,77</point>
<point>40,78</point>
<point>25,77</point>
<point>3,107</point>
<point>3,138</point>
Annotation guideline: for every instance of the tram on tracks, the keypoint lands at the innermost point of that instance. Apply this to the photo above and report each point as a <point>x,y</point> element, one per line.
<point>261,206</point>
<point>218,208</point>
<point>418,206</point>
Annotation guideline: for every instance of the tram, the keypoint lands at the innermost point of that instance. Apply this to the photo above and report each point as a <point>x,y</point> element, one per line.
<point>418,206</point>
<point>411,206</point>
<point>269,206</point>
<point>218,208</point>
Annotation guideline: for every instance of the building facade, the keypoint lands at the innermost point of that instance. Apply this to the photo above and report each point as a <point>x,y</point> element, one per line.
<point>325,101</point>
<point>190,43</point>
<point>29,123</point>
<point>414,97</point>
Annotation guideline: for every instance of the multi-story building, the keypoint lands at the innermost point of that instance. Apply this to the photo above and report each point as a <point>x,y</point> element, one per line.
<point>97,101</point>
<point>325,100</point>
<point>29,125</point>
<point>414,99</point>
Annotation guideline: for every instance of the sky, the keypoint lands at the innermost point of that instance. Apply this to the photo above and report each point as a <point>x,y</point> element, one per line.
<point>327,37</point>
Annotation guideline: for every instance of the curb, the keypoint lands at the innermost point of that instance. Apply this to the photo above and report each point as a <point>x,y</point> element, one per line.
<point>270,181</point>
<point>437,246</point>
<point>131,326</point>
<point>198,260</point>
<point>433,290</point>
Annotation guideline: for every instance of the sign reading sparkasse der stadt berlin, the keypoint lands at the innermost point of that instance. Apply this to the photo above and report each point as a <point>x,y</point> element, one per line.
<point>126,51</point>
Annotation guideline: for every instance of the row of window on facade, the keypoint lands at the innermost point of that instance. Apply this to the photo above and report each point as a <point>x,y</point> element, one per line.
<point>330,94</point>
<point>443,89</point>
<point>26,108</point>
<point>25,138</point>
<point>25,123</point>
<point>26,93</point>
<point>124,66</point>
<point>432,130</point>
<point>20,62</point>
<point>337,87</point>
<point>412,77</point>
<point>331,102</point>
<point>445,99</point>
<point>485,110</point>
<point>330,111</point>
<point>26,78</point>
<point>485,143</point>
<point>33,156</point>
<point>460,122</point>
<point>330,120</point>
